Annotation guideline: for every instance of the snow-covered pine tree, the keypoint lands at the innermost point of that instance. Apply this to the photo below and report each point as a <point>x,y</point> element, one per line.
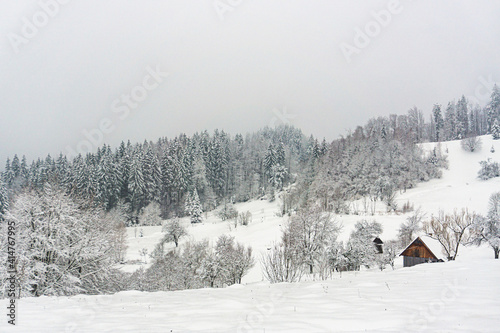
<point>280,154</point>
<point>16,166</point>
<point>136,185</point>
<point>4,199</point>
<point>269,159</point>
<point>438,121</point>
<point>152,175</point>
<point>493,107</point>
<point>450,121</point>
<point>8,174</point>
<point>495,130</point>
<point>196,210</point>
<point>462,118</point>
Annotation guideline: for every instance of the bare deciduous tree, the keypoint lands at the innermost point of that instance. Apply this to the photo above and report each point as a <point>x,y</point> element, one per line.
<point>451,230</point>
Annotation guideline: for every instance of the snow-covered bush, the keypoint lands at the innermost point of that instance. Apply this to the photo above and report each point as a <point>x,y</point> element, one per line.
<point>489,169</point>
<point>407,207</point>
<point>280,264</point>
<point>195,265</point>
<point>150,215</point>
<point>227,212</point>
<point>245,218</point>
<point>233,259</point>
<point>471,144</point>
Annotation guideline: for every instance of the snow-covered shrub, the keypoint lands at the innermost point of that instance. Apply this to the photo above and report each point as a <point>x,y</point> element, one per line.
<point>245,218</point>
<point>489,169</point>
<point>234,260</point>
<point>281,263</point>
<point>227,212</point>
<point>471,144</point>
<point>196,265</point>
<point>150,215</point>
<point>407,207</point>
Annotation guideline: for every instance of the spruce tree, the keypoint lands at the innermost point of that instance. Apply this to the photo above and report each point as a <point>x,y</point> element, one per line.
<point>136,186</point>
<point>4,199</point>
<point>269,159</point>
<point>8,174</point>
<point>438,121</point>
<point>196,210</point>
<point>495,130</point>
<point>16,166</point>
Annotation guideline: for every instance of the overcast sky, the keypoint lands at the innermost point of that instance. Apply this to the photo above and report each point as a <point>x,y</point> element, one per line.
<point>237,65</point>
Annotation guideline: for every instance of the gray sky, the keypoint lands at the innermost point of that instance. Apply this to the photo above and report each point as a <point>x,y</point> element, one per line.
<point>237,65</point>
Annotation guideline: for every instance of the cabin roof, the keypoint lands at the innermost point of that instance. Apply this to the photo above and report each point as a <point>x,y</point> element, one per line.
<point>432,245</point>
<point>378,241</point>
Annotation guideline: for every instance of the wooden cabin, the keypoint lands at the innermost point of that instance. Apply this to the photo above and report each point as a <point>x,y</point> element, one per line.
<point>422,249</point>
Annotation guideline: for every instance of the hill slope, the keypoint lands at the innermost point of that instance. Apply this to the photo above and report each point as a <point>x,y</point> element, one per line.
<point>452,296</point>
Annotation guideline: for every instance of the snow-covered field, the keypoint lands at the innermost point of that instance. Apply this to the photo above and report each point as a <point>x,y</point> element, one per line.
<point>453,296</point>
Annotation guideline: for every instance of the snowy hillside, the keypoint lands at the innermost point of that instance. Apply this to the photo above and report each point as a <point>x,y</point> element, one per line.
<point>452,296</point>
<point>458,188</point>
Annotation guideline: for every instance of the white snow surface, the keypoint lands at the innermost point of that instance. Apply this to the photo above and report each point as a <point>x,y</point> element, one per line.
<point>443,297</point>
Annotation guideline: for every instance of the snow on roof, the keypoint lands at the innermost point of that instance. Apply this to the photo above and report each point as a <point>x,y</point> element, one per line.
<point>434,246</point>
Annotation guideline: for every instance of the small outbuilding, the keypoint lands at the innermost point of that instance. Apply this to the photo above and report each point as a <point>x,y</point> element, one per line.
<point>379,245</point>
<point>422,249</point>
